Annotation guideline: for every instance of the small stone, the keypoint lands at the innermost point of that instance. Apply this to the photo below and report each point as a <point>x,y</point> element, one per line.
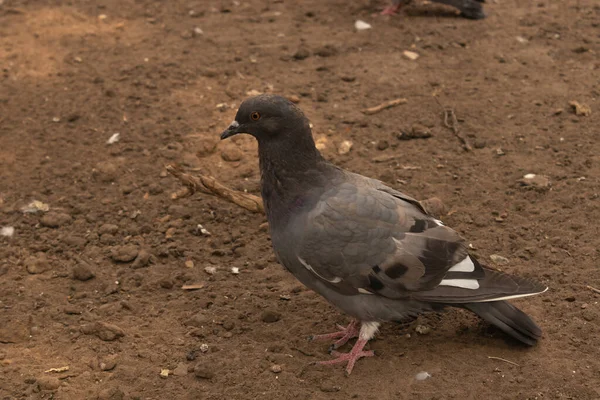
<point>411,55</point>
<point>580,109</point>
<point>204,347</point>
<point>435,207</point>
<point>584,306</point>
<point>270,316</point>
<point>344,147</point>
<point>498,259</point>
<point>47,382</point>
<point>164,373</point>
<point>71,310</point>
<point>422,329</point>
<point>348,78</point>
<point>570,299</point>
<point>479,143</point>
<point>202,371</point>
<point>55,220</point>
<point>125,253</point>
<point>210,270</point>
<point>82,272</point>
<point>421,376</point>
<point>294,99</point>
<point>276,368</point>
<point>535,181</point>
<point>180,370</point>
<point>108,363</point>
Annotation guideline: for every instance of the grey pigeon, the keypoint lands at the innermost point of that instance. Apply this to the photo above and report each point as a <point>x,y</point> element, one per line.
<point>468,8</point>
<point>368,249</point>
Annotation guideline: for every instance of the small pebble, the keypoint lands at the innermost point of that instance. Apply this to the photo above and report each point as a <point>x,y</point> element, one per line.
<point>125,253</point>
<point>421,376</point>
<point>210,270</point>
<point>276,368</point>
<point>422,329</point>
<point>55,220</point>
<point>498,259</point>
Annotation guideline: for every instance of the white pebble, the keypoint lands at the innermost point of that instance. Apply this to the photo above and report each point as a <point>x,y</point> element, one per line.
<point>411,55</point>
<point>202,230</point>
<point>235,270</point>
<point>210,270</point>
<point>114,138</point>
<point>421,376</point>
<point>204,347</point>
<point>362,25</point>
<point>7,231</point>
<point>529,176</point>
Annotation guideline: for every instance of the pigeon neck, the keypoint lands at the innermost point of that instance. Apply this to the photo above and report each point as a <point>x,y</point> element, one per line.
<point>289,171</point>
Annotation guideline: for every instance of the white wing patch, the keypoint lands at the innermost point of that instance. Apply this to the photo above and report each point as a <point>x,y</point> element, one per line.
<point>437,221</point>
<point>461,283</point>
<point>363,291</point>
<point>514,296</point>
<point>308,267</point>
<point>465,265</point>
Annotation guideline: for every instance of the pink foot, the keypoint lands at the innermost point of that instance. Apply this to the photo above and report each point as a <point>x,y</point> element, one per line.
<point>354,355</point>
<point>343,335</point>
<point>391,10</point>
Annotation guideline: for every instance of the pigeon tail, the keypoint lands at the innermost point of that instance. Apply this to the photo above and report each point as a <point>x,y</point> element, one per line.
<point>509,319</point>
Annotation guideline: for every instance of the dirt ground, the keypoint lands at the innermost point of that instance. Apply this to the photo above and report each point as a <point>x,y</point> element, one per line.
<point>95,283</point>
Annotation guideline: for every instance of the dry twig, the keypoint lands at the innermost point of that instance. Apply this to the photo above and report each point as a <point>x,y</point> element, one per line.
<point>503,359</point>
<point>593,289</point>
<point>453,125</point>
<point>383,106</point>
<point>209,185</point>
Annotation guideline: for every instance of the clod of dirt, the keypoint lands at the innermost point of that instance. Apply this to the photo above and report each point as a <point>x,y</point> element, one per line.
<point>113,393</point>
<point>180,370</point>
<point>13,332</point>
<point>108,228</point>
<point>301,54</point>
<point>3,269</point>
<point>108,363</point>
<point>231,153</point>
<point>202,371</point>
<point>382,144</point>
<point>125,253</point>
<point>210,270</point>
<point>103,331</point>
<point>155,189</point>
<point>270,316</point>
<point>37,264</point>
<point>55,220</point>
<point>580,109</point>
<point>106,171</point>
<point>142,260</point>
<point>48,382</point>
<point>329,387</point>
<point>293,98</point>
<point>327,50</point>
<point>435,207</point>
<point>498,259</point>
<point>82,272</point>
<point>535,181</point>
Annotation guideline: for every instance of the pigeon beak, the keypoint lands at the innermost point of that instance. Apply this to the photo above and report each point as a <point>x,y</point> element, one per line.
<point>231,130</point>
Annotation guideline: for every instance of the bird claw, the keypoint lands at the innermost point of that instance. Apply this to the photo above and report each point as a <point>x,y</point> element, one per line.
<point>343,335</point>
<point>351,358</point>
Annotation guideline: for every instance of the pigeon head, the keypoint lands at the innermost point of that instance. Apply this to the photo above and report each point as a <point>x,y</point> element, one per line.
<point>269,118</point>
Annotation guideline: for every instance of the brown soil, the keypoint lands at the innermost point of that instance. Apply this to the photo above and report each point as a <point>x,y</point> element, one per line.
<point>95,283</point>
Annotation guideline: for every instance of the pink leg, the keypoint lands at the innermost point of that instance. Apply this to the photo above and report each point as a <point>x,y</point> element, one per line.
<point>343,335</point>
<point>355,354</point>
<point>391,10</point>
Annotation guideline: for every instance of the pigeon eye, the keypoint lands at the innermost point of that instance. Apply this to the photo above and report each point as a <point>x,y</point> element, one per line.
<point>255,116</point>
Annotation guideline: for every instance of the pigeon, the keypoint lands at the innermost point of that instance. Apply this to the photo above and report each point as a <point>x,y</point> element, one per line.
<point>468,8</point>
<point>371,251</point>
